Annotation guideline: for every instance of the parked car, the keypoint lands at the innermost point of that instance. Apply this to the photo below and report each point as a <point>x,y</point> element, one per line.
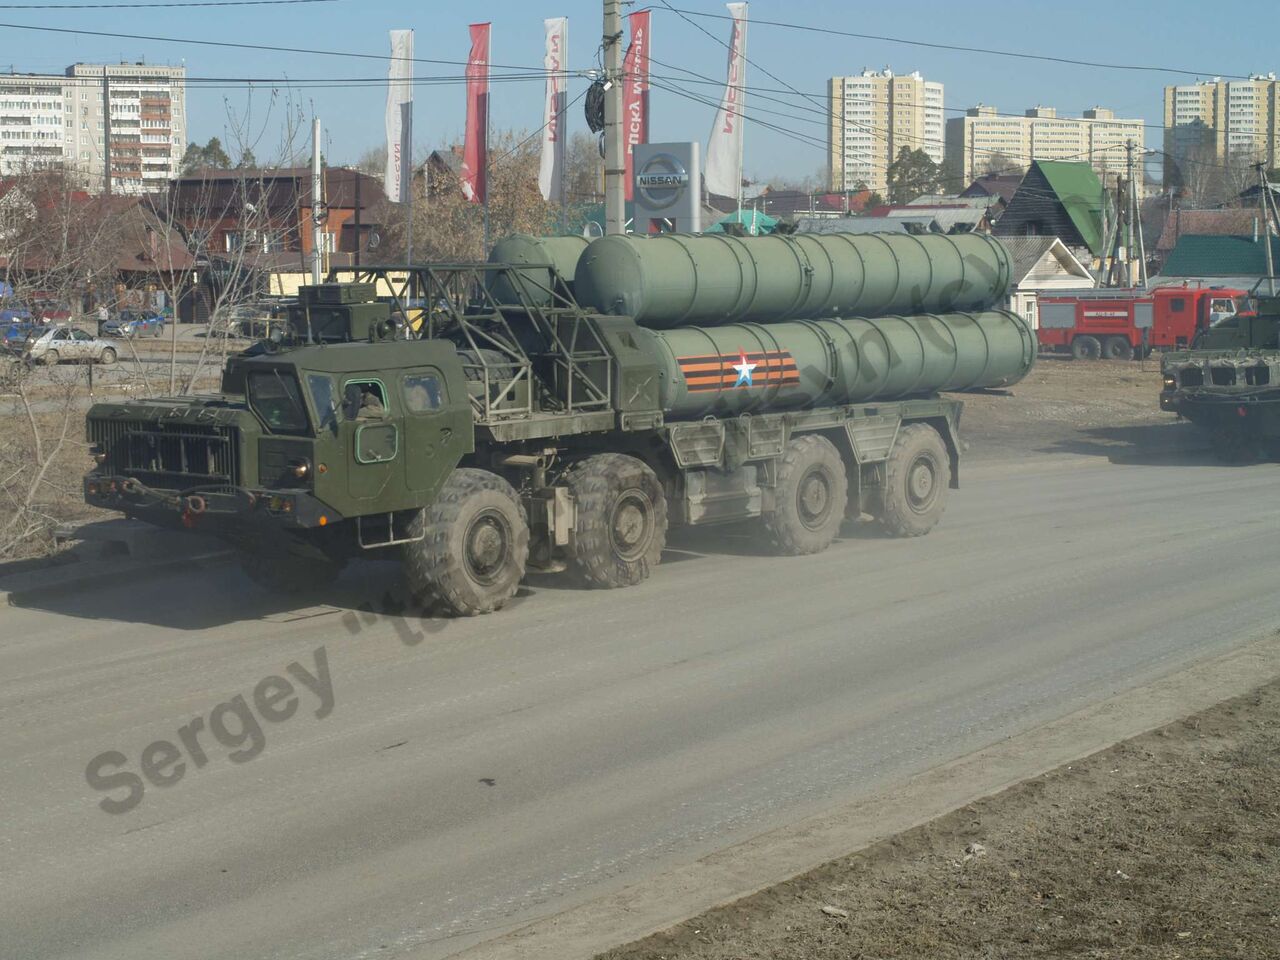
<point>57,343</point>
<point>50,311</point>
<point>14,333</point>
<point>256,321</point>
<point>11,310</point>
<point>132,323</point>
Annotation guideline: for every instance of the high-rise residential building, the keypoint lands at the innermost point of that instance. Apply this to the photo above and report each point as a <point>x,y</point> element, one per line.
<point>985,141</point>
<point>129,117</point>
<point>873,116</point>
<point>1221,119</point>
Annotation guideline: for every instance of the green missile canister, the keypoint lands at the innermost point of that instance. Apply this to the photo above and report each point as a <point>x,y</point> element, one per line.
<point>748,367</point>
<point>560,252</point>
<point>670,280</point>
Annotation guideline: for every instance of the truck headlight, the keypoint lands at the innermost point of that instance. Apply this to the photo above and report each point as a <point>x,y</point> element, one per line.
<point>1171,382</point>
<point>301,468</point>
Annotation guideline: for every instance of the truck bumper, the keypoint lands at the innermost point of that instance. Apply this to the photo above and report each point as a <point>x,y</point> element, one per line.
<point>228,513</point>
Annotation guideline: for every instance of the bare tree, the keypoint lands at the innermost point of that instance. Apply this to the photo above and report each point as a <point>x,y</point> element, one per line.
<point>448,227</point>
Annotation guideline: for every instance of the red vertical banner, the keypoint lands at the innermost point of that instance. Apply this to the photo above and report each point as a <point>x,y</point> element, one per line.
<point>475,151</point>
<point>635,96</point>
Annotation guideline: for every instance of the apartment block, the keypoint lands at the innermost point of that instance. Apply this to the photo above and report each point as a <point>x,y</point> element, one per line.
<point>1224,118</point>
<point>873,116</point>
<point>983,136</point>
<point>129,118</point>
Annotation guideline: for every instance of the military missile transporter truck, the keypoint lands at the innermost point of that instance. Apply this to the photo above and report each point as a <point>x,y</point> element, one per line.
<point>1230,383</point>
<point>560,406</point>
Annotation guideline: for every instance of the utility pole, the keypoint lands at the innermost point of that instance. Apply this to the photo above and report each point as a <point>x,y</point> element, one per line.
<point>1264,194</point>
<point>1130,246</point>
<point>317,210</point>
<point>615,202</point>
<point>106,131</point>
<point>1137,224</point>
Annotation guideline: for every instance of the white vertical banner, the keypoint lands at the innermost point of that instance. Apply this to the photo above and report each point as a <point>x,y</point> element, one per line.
<point>400,117</point>
<point>723,172</point>
<point>551,170</point>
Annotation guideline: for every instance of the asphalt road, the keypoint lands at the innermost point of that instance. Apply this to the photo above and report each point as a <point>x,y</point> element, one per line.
<point>491,771</point>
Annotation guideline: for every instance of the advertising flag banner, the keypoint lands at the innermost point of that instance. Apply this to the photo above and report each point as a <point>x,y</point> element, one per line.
<point>635,97</point>
<point>399,117</point>
<point>475,149</point>
<point>551,169</point>
<point>723,173</point>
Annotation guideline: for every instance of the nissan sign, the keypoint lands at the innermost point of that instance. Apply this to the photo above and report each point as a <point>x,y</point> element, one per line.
<point>667,186</point>
<point>662,181</point>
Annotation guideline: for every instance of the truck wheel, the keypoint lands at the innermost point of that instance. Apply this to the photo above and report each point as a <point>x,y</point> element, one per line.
<point>474,545</point>
<point>810,497</point>
<point>50,358</point>
<point>1117,348</point>
<point>917,475</point>
<point>1085,348</point>
<point>621,524</point>
<point>289,574</point>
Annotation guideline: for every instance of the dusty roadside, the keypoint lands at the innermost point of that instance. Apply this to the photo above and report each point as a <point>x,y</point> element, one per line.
<point>1164,846</point>
<point>1065,407</point>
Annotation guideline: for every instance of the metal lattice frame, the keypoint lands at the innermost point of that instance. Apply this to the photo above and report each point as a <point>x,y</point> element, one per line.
<point>457,304</point>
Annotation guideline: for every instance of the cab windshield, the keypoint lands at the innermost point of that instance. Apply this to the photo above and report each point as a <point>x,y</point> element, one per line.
<point>274,395</point>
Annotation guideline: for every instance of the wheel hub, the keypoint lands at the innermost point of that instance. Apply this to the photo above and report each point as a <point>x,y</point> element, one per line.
<point>921,482</point>
<point>632,526</point>
<point>487,545</point>
<point>813,498</point>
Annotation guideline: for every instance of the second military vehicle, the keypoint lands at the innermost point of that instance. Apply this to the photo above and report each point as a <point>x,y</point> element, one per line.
<point>1230,384</point>
<point>562,406</point>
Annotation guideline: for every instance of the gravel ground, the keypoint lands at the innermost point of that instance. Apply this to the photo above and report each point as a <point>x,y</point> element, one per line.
<point>1166,846</point>
<point>1098,407</point>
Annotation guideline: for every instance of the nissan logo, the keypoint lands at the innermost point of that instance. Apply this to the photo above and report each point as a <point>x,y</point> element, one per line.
<point>662,181</point>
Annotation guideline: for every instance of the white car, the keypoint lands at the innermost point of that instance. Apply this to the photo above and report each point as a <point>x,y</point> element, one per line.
<point>57,343</point>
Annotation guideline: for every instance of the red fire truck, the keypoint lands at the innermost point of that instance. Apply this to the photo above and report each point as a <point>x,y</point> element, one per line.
<point>1117,324</point>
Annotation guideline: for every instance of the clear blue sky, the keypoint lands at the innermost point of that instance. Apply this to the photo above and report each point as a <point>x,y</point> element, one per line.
<point>1171,33</point>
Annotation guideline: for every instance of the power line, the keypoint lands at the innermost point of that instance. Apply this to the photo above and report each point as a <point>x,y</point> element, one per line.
<point>987,51</point>
<point>46,7</point>
<point>381,57</point>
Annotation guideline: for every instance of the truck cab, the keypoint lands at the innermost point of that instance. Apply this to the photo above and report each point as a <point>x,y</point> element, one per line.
<point>301,437</point>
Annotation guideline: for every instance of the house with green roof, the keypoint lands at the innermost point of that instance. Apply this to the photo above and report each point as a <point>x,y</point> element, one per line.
<point>1057,198</point>
<point>1239,259</point>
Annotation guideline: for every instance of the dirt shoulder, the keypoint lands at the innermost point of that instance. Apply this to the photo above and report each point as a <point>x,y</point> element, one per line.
<point>1098,408</point>
<point>1164,846</point>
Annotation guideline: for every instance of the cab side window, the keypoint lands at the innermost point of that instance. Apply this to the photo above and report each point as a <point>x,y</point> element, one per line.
<point>423,392</point>
<point>363,400</point>
<point>1177,304</point>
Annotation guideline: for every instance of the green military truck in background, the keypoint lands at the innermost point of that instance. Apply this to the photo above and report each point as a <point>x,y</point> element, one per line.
<point>1229,384</point>
<point>564,404</point>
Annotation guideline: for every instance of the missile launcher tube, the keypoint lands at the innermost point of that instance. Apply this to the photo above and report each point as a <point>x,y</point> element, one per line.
<point>520,249</point>
<point>673,280</point>
<point>747,367</point>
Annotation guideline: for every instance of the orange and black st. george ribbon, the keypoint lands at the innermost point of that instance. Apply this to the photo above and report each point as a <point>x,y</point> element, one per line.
<point>727,371</point>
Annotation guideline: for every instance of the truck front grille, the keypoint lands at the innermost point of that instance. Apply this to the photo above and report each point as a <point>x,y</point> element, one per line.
<point>166,456</point>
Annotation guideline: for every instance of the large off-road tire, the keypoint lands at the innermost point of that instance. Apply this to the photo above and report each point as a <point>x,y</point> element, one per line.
<point>1086,348</point>
<point>917,475</point>
<point>621,523</point>
<point>1117,348</point>
<point>107,356</point>
<point>287,573</point>
<point>810,498</point>
<point>474,546</point>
